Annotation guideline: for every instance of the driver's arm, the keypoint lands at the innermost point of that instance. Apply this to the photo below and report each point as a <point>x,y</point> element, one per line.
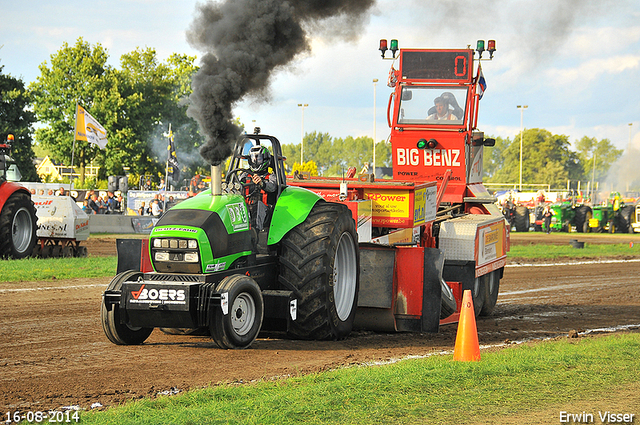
<point>268,185</point>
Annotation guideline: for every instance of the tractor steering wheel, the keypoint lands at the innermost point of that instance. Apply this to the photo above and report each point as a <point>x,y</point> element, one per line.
<point>232,178</point>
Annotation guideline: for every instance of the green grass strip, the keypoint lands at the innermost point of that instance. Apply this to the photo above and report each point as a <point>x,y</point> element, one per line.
<point>431,390</point>
<point>30,269</point>
<point>558,251</point>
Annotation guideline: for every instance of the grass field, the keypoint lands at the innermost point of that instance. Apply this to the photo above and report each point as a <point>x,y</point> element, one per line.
<point>559,251</point>
<point>32,269</point>
<point>535,381</point>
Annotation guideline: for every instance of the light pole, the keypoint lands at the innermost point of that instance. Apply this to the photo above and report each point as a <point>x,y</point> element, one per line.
<point>375,81</point>
<point>302,134</point>
<point>522,108</point>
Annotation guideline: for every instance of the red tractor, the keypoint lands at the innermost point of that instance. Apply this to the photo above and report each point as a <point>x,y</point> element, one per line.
<point>17,213</point>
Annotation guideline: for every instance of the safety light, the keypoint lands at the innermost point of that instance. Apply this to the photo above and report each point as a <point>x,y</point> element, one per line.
<point>480,48</point>
<point>10,137</point>
<point>491,47</point>
<point>427,144</point>
<point>394,47</point>
<point>383,47</point>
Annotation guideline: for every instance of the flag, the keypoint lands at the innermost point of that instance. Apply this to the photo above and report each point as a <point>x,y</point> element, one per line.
<point>89,129</point>
<point>482,84</point>
<point>173,169</point>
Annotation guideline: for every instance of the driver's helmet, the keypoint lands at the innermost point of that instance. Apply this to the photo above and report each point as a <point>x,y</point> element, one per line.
<point>259,159</point>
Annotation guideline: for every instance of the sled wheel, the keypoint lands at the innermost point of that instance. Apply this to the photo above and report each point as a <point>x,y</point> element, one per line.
<point>243,321</point>
<point>478,293</point>
<point>56,251</point>
<point>492,287</point>
<point>117,332</point>
<point>67,251</point>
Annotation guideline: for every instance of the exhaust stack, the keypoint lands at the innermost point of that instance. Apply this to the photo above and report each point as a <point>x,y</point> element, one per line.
<point>216,180</point>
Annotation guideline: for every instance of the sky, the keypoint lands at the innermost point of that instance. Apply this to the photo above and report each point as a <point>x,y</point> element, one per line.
<point>575,64</point>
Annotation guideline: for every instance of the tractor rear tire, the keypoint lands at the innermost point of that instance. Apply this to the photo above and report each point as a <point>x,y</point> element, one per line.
<point>243,321</point>
<point>18,226</point>
<point>626,218</point>
<point>492,288</point>
<point>319,262</point>
<point>583,214</point>
<point>116,332</point>
<point>522,220</point>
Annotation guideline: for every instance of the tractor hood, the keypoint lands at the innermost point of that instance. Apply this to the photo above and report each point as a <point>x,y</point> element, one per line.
<point>218,224</point>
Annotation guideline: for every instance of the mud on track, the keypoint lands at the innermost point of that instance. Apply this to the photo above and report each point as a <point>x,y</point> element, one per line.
<point>53,352</point>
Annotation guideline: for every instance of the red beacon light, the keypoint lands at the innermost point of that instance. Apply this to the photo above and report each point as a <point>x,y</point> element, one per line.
<point>491,47</point>
<point>383,47</point>
<point>393,47</point>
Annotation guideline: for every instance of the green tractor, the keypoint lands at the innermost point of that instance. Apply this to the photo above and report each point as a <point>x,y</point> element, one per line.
<point>214,272</point>
<point>613,215</point>
<point>567,215</point>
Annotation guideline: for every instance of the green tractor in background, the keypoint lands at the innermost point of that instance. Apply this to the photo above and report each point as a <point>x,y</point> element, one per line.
<point>613,215</point>
<point>215,273</point>
<point>567,215</point>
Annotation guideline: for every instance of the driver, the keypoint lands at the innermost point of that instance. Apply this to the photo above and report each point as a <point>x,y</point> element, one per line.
<point>442,110</point>
<point>259,179</point>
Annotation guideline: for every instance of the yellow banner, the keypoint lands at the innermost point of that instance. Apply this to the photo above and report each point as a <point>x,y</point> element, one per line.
<point>89,129</point>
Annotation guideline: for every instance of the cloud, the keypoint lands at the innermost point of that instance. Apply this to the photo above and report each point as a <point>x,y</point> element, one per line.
<point>591,70</point>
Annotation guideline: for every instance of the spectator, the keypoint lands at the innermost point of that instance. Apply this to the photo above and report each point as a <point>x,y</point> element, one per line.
<point>50,192</point>
<point>162,185</point>
<point>61,192</point>
<point>193,184</point>
<point>119,205</point>
<point>170,202</point>
<point>86,208</point>
<point>102,205</point>
<point>41,192</point>
<point>142,210</point>
<point>147,185</point>
<point>156,210</point>
<point>33,191</point>
<point>93,204</point>
<point>111,201</point>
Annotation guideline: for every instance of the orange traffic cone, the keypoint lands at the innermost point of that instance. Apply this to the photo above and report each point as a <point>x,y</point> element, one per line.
<point>467,347</point>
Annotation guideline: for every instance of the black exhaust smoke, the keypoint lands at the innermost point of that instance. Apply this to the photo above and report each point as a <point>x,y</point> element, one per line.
<point>244,41</point>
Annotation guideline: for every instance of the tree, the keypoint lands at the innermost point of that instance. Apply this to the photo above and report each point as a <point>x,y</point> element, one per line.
<point>601,153</point>
<point>17,119</point>
<point>334,156</point>
<point>493,157</point>
<point>135,104</point>
<point>78,74</point>
<point>543,156</point>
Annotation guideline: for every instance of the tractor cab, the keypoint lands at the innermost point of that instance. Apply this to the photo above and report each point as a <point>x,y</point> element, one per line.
<point>8,168</point>
<point>433,113</point>
<point>239,165</point>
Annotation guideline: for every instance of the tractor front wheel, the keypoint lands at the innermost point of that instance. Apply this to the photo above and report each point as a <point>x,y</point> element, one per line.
<point>239,326</point>
<point>117,332</point>
<point>319,262</point>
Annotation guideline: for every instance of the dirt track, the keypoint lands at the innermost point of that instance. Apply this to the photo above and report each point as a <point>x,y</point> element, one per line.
<point>53,352</point>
